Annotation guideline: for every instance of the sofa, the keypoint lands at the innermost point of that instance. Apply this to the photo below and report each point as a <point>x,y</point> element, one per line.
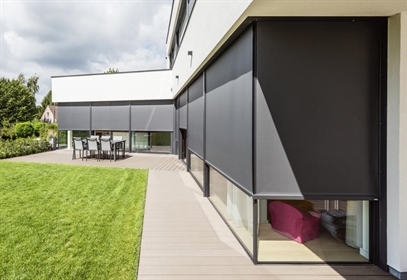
<point>300,226</point>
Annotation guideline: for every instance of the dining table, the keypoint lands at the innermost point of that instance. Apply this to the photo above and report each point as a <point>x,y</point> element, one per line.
<point>117,145</point>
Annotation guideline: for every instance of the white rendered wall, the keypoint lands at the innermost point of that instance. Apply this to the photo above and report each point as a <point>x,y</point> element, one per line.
<point>148,85</point>
<point>326,8</point>
<point>212,23</point>
<point>209,23</point>
<point>397,144</point>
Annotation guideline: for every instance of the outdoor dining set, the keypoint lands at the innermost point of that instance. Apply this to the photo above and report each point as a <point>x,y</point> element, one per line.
<point>98,145</point>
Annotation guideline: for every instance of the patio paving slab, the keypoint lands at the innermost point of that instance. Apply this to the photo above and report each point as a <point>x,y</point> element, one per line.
<point>132,160</point>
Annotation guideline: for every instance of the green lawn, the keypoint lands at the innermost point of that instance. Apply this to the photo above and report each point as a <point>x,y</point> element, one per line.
<point>70,222</point>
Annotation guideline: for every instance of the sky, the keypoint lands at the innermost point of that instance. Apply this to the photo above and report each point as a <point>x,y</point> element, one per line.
<point>56,38</point>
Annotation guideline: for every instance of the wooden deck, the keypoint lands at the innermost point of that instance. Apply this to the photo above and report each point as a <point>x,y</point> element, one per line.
<point>185,238</point>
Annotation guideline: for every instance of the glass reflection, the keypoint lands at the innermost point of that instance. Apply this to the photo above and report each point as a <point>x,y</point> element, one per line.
<point>197,168</point>
<point>235,207</point>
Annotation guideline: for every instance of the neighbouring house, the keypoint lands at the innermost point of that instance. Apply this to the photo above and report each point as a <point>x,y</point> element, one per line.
<point>50,114</point>
<point>303,102</point>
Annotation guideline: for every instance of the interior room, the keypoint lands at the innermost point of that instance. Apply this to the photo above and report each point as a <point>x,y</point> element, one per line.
<point>313,231</point>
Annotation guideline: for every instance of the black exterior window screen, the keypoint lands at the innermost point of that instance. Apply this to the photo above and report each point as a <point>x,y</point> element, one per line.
<point>110,116</point>
<point>229,112</point>
<point>195,117</point>
<point>74,116</point>
<point>182,111</point>
<point>152,116</point>
<point>317,105</point>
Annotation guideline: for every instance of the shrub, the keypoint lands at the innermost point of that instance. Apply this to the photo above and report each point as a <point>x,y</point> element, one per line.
<point>38,126</point>
<point>8,130</point>
<point>22,147</point>
<point>63,137</point>
<point>49,130</point>
<point>24,130</point>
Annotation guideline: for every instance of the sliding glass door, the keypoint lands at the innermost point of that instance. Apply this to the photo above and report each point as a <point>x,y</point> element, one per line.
<point>155,142</point>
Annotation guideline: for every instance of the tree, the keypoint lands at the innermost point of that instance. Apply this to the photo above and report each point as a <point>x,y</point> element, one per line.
<point>31,83</point>
<point>111,70</point>
<point>40,111</point>
<point>17,103</point>
<point>47,100</point>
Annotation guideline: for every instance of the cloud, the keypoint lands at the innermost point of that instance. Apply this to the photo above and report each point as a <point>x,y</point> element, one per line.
<point>50,38</point>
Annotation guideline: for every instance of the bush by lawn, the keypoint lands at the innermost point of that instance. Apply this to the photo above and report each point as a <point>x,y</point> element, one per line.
<point>22,147</point>
<point>70,222</point>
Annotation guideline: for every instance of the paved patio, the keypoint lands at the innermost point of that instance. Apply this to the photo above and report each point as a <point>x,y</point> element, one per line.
<point>132,160</point>
<point>184,237</point>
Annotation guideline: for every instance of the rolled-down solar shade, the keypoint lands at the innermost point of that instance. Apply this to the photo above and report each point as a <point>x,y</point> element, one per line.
<point>318,109</point>
<point>176,124</point>
<point>183,117</point>
<point>196,126</point>
<point>74,116</point>
<point>183,99</point>
<point>152,117</point>
<point>229,112</point>
<point>196,117</point>
<point>195,91</point>
<point>111,116</point>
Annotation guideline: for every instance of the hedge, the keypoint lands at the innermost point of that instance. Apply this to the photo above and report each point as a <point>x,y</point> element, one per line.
<point>22,147</point>
<point>24,130</point>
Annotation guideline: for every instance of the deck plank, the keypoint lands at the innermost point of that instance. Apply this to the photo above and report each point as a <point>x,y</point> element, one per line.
<point>185,238</point>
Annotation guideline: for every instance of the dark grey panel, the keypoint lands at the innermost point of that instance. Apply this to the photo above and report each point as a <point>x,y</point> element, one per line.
<point>73,116</point>
<point>110,116</point>
<point>152,117</point>
<point>196,126</point>
<point>195,91</point>
<point>318,108</point>
<point>176,124</point>
<point>183,117</point>
<point>183,99</point>
<point>229,112</point>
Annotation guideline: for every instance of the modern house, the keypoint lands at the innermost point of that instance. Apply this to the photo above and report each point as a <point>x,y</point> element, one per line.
<point>289,112</point>
<point>50,114</point>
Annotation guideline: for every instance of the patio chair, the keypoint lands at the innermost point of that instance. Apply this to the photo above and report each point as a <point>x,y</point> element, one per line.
<point>78,146</point>
<point>106,146</point>
<point>93,147</point>
<point>95,137</point>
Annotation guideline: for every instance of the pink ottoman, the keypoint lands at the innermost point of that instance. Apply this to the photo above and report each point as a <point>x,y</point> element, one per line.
<point>291,222</point>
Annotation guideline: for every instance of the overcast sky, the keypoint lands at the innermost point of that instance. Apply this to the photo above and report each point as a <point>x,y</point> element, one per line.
<point>52,38</point>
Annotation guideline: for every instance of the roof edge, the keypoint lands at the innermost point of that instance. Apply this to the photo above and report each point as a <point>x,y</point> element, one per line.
<point>116,73</point>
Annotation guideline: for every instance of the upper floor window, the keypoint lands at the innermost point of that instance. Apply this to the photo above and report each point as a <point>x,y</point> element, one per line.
<point>181,25</point>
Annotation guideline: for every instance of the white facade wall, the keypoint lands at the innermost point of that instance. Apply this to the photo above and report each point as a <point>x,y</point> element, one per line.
<point>397,144</point>
<point>210,23</point>
<point>325,8</point>
<point>148,85</point>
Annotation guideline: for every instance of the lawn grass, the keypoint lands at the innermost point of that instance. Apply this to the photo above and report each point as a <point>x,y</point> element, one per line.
<point>70,222</point>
